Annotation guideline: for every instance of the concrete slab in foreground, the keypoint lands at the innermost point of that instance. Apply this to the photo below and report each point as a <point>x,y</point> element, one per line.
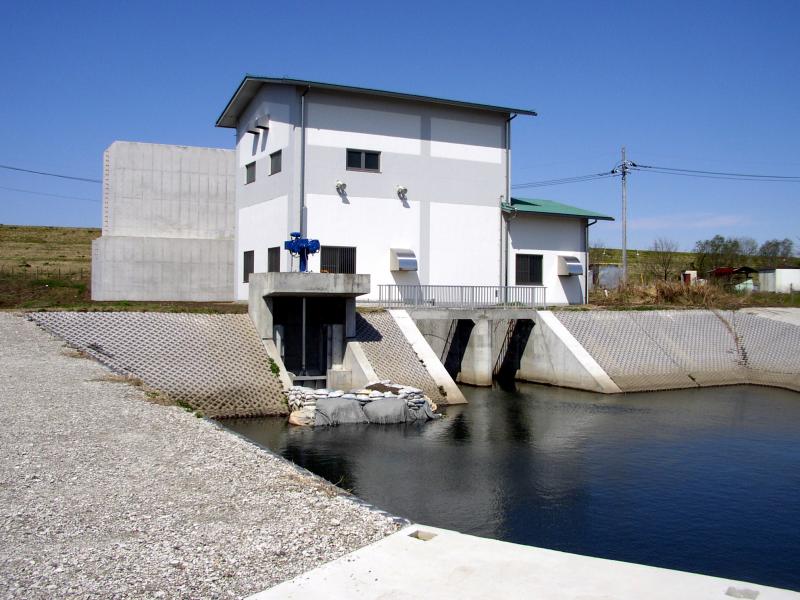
<point>412,563</point>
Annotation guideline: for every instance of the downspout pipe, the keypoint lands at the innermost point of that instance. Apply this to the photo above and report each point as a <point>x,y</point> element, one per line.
<point>303,162</point>
<point>586,260</point>
<point>504,233</point>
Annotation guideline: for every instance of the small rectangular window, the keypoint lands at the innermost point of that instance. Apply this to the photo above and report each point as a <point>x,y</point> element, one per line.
<point>338,259</point>
<point>249,262</point>
<point>250,173</point>
<point>275,162</point>
<point>529,269</point>
<point>353,159</point>
<point>274,260</point>
<point>363,160</point>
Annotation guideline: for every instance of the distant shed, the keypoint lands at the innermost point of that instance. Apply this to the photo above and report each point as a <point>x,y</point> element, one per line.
<point>782,281</point>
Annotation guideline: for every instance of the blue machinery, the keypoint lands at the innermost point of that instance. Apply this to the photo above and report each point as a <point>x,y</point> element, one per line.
<point>302,247</point>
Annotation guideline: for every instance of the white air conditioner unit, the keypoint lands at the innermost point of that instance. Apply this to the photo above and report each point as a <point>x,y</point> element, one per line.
<point>402,259</point>
<point>569,265</point>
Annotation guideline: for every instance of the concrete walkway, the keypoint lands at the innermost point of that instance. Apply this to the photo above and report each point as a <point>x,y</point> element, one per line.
<point>424,562</point>
<point>105,495</point>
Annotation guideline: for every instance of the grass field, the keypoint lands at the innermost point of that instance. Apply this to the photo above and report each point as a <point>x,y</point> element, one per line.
<point>50,267</point>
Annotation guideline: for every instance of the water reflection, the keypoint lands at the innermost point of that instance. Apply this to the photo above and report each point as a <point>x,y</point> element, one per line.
<point>698,480</point>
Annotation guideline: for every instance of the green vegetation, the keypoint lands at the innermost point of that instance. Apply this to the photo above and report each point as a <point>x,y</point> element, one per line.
<point>654,274</point>
<point>273,366</point>
<point>673,294</point>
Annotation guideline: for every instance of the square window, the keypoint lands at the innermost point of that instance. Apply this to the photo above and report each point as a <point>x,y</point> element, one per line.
<point>529,269</point>
<point>275,162</point>
<point>353,159</point>
<point>372,161</point>
<point>250,173</point>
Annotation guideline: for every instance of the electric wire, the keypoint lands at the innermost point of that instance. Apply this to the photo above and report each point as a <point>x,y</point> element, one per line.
<point>48,174</point>
<point>748,175</point>
<point>632,166</point>
<point>564,180</point>
<point>11,189</point>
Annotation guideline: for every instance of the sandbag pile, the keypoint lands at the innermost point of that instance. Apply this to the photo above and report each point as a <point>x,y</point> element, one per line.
<point>378,402</point>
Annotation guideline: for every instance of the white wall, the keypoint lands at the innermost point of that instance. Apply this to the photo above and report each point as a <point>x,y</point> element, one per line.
<point>780,280</point>
<point>158,190</point>
<point>260,227</point>
<point>464,244</point>
<point>551,237</point>
<point>161,269</point>
<point>168,224</point>
<point>373,225</point>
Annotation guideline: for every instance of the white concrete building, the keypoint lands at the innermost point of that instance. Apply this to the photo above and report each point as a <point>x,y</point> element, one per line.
<point>375,176</point>
<point>549,246</point>
<point>168,224</point>
<point>367,172</point>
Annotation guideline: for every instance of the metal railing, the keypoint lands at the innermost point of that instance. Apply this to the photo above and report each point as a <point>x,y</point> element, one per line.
<point>462,296</point>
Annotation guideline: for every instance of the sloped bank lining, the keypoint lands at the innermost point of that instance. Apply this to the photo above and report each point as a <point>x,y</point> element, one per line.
<point>671,349</point>
<point>214,363</point>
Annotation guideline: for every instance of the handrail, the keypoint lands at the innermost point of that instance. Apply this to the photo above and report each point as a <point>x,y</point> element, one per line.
<point>462,296</point>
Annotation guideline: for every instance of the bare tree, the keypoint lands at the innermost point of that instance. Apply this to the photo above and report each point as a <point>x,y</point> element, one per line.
<point>663,259</point>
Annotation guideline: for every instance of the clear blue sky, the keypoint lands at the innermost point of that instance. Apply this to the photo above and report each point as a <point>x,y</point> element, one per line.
<point>702,85</point>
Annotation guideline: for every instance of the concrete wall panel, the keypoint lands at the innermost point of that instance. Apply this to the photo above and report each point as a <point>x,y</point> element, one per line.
<point>161,269</point>
<point>168,224</point>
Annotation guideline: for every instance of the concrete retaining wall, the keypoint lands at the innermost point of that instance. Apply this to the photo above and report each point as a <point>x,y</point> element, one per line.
<point>164,269</point>
<point>168,224</point>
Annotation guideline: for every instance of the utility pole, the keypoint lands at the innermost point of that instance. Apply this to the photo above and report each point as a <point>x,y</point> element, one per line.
<point>624,165</point>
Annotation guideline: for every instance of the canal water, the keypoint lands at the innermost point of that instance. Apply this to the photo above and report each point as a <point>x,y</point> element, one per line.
<point>702,480</point>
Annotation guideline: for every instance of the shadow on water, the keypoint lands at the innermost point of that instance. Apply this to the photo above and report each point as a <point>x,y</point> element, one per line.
<point>697,480</point>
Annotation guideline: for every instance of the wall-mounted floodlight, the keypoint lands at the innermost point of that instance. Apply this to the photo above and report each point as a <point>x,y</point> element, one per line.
<point>402,191</point>
<point>341,186</point>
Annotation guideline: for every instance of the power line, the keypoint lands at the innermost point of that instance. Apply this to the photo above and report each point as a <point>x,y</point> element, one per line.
<point>710,175</point>
<point>2,187</point>
<point>60,176</point>
<point>564,180</point>
<point>720,173</point>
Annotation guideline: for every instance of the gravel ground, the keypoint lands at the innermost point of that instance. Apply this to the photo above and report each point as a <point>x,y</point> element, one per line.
<point>103,494</point>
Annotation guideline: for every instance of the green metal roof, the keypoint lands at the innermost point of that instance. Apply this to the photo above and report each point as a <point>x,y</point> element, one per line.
<point>251,83</point>
<point>549,207</point>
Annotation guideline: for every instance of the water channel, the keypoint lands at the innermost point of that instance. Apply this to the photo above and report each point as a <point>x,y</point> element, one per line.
<point>702,480</point>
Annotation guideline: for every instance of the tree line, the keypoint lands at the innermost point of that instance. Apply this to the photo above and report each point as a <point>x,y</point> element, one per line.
<point>663,260</point>
<point>722,251</point>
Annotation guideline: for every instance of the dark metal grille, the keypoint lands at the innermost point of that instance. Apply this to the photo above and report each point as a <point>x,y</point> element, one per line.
<point>274,260</point>
<point>249,263</point>
<point>529,269</point>
<point>338,259</point>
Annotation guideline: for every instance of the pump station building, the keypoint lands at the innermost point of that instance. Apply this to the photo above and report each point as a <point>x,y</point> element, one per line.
<point>412,190</point>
